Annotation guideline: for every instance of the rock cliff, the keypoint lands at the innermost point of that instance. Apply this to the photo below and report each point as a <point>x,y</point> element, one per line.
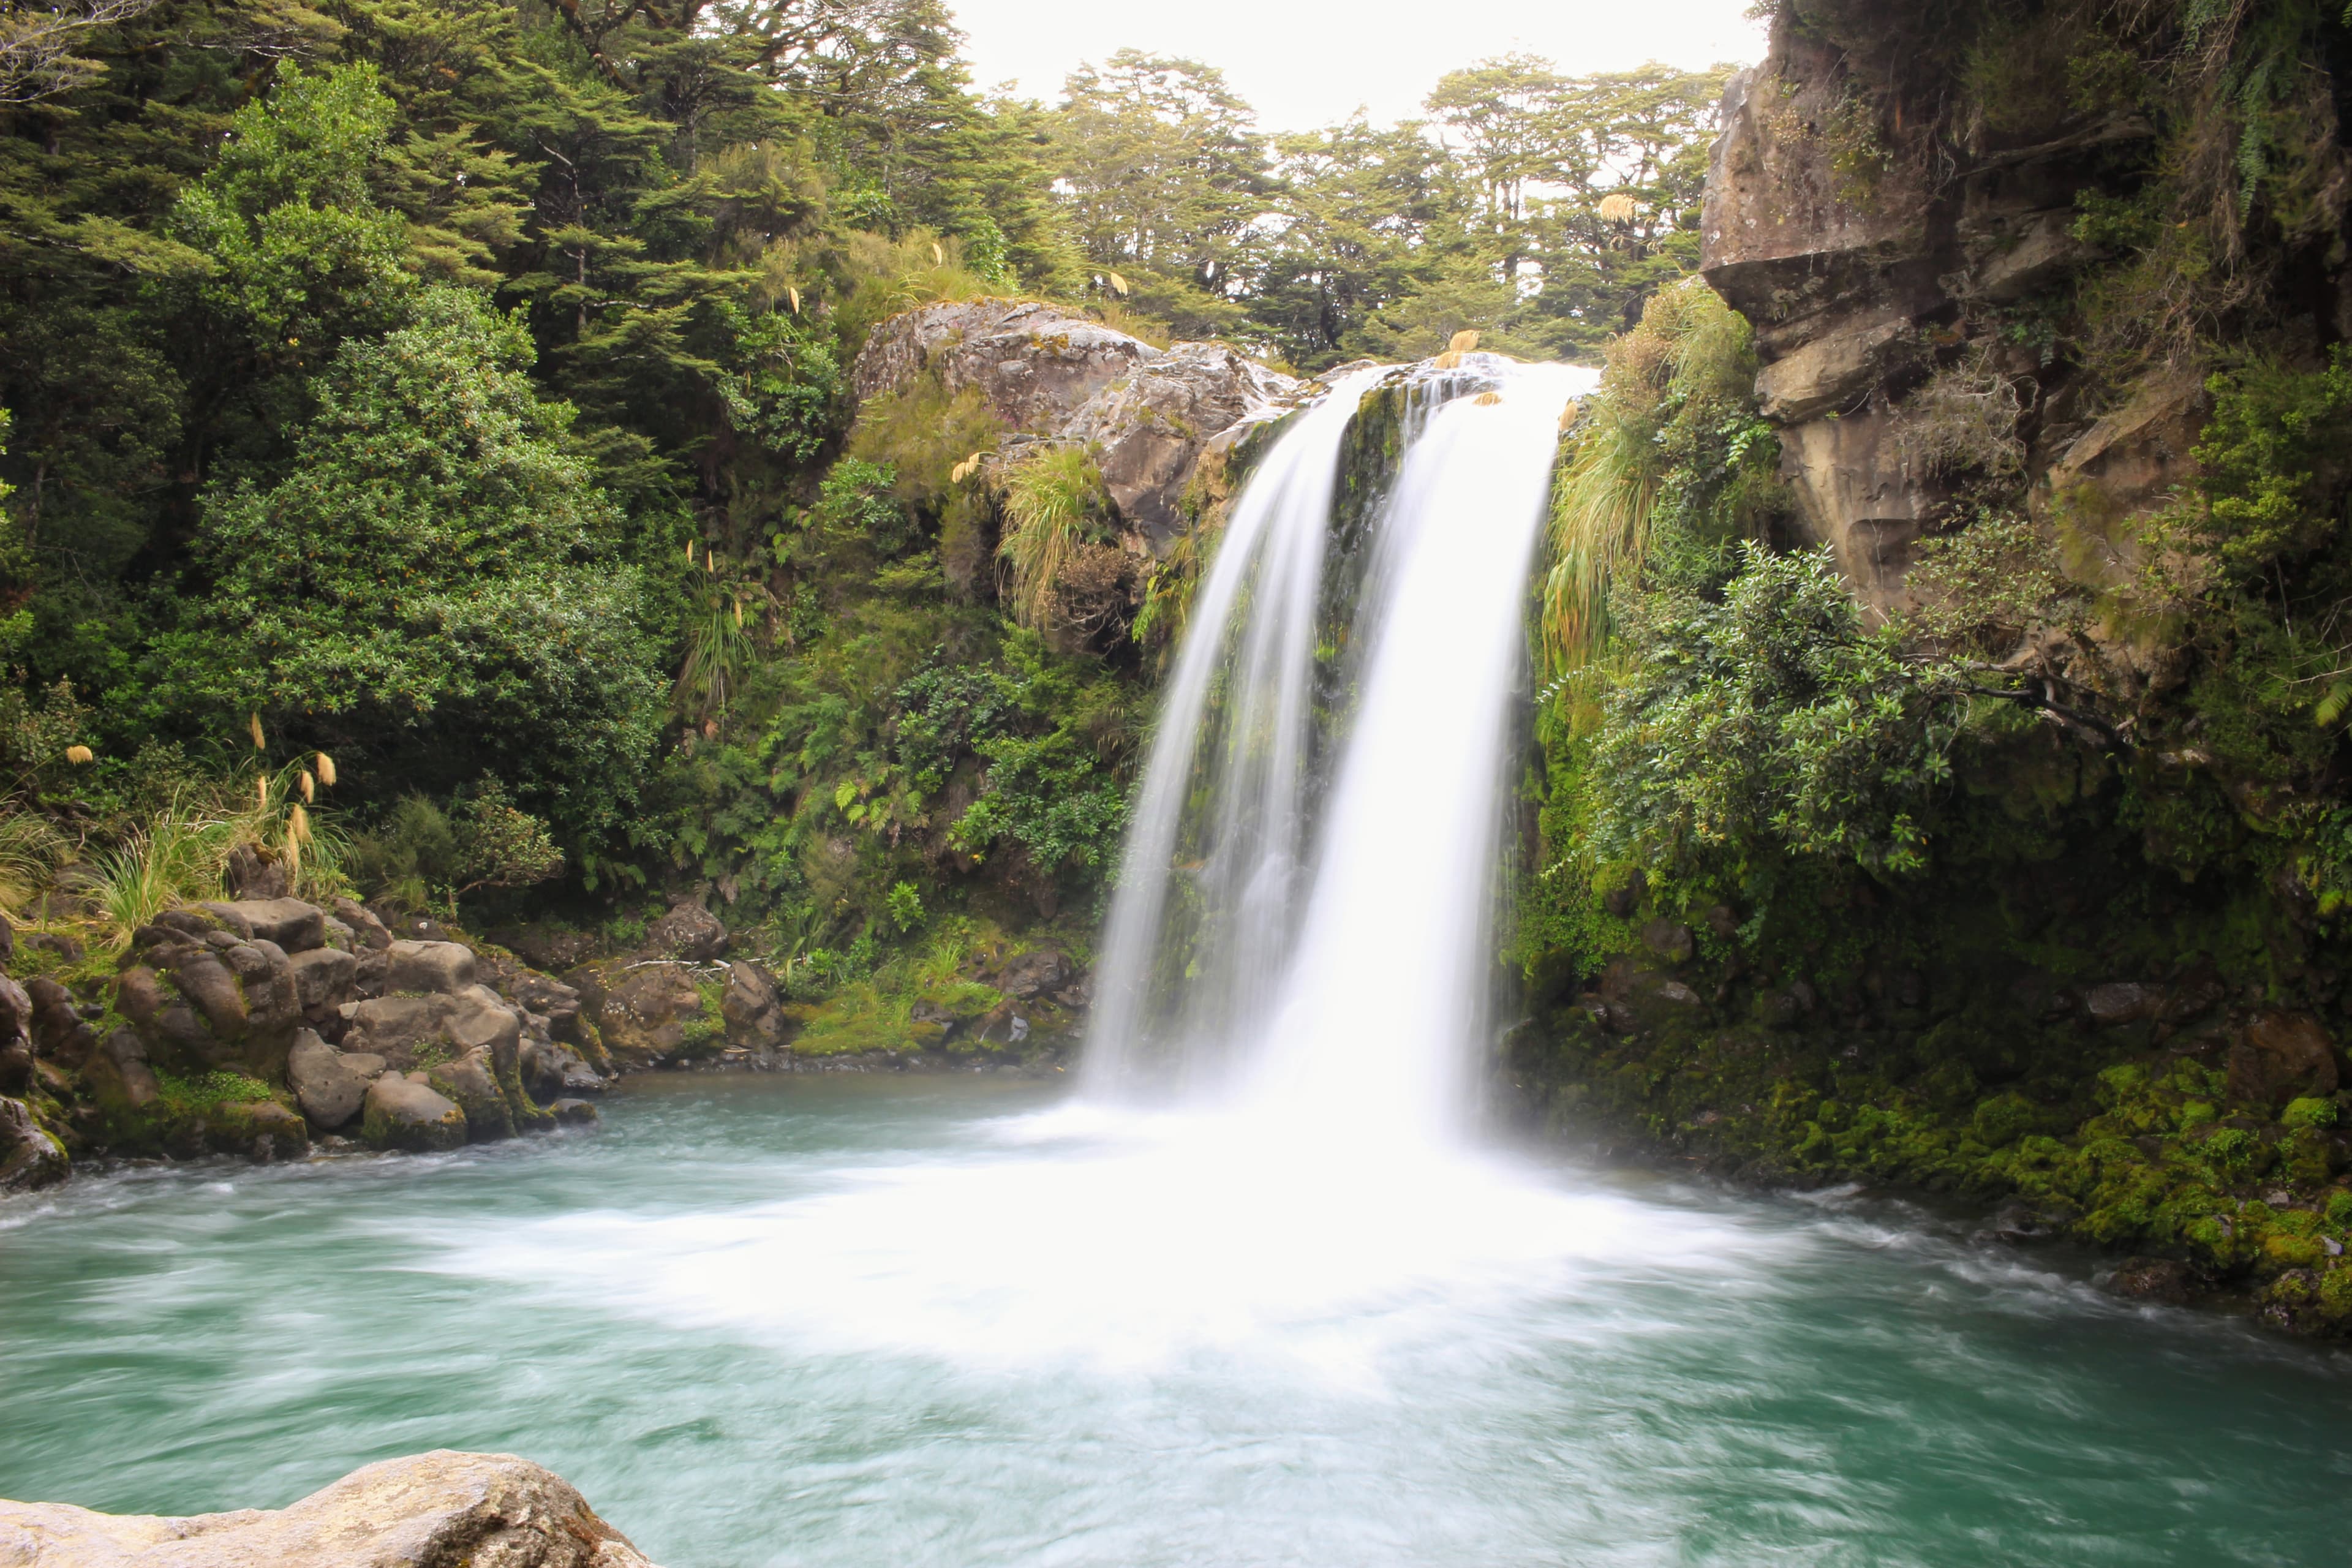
<point>1900,250</point>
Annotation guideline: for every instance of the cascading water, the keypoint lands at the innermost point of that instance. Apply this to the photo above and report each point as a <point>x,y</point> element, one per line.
<point>1349,998</point>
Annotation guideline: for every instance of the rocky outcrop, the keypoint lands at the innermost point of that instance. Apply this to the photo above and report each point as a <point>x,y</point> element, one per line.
<point>251,1027</point>
<point>1145,412</point>
<point>432,1510</point>
<point>1874,249</point>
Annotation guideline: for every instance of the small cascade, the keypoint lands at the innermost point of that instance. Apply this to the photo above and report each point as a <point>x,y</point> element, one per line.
<point>1304,915</point>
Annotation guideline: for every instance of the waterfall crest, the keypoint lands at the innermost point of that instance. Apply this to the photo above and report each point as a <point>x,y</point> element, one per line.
<point>1303,916</point>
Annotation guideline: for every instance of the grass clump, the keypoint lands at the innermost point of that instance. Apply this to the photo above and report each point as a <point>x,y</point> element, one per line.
<point>1055,509</point>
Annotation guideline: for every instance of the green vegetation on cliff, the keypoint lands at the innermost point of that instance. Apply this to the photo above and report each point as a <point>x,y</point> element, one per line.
<point>2022,879</point>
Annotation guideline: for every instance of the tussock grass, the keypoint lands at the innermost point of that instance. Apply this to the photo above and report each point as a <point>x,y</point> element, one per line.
<point>1054,507</point>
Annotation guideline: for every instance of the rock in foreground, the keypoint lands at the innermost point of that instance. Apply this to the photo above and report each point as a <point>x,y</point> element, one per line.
<point>441,1508</point>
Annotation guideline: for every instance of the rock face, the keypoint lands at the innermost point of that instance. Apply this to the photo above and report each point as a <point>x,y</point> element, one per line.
<point>1864,279</point>
<point>432,1510</point>
<point>1148,414</point>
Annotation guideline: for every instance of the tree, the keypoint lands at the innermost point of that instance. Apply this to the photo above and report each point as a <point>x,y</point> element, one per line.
<point>434,587</point>
<point>1162,173</point>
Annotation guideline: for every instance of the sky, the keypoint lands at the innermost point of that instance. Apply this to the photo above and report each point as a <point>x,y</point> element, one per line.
<point>1305,63</point>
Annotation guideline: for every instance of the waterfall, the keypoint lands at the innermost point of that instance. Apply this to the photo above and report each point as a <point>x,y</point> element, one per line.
<point>1303,919</point>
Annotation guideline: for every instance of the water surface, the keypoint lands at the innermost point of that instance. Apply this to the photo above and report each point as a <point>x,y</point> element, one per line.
<point>875,1320</point>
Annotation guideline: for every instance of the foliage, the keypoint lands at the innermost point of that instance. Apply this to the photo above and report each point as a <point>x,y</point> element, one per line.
<point>1770,719</point>
<point>438,563</point>
<point>425,855</point>
<point>1672,439</point>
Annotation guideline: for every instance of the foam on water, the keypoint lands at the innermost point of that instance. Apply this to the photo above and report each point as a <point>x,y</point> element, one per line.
<point>1133,1244</point>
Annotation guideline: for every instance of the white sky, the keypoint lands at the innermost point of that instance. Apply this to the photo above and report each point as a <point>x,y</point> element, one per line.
<point>1307,63</point>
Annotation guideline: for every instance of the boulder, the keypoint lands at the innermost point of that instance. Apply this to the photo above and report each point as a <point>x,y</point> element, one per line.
<point>430,1511</point>
<point>550,1071</point>
<point>371,932</point>
<point>29,1158</point>
<point>442,966</point>
<point>648,1012</point>
<point>255,875</point>
<point>1670,940</point>
<point>752,1006</point>
<point>216,1000</point>
<point>1035,363</point>
<point>395,1026</point>
<point>400,1115</point>
<point>1030,973</point>
<point>262,1129</point>
<point>292,924</point>
<point>2282,1056</point>
<point>471,1083</point>
<point>118,1077</point>
<point>59,1033</point>
<point>689,932</point>
<point>574,1113</point>
<point>1147,428</point>
<point>2161,1279</point>
<point>551,999</point>
<point>2123,1001</point>
<point>324,979</point>
<point>328,1086</point>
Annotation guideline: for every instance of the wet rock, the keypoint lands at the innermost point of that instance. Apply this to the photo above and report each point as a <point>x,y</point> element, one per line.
<point>293,925</point>
<point>2123,1001</point>
<point>2281,1056</point>
<point>1670,940</point>
<point>1623,901</point>
<point>398,1113</point>
<point>2153,1280</point>
<point>428,966</point>
<point>552,1072</point>
<point>118,1077</point>
<point>1147,428</point>
<point>648,1012</point>
<point>431,1511</point>
<point>330,1089</point>
<point>29,1157</point>
<point>689,932</point>
<point>551,999</point>
<point>574,1113</point>
<point>471,1083</point>
<point>261,1129</point>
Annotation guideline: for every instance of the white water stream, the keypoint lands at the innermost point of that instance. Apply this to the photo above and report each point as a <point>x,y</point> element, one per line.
<point>1325,955</point>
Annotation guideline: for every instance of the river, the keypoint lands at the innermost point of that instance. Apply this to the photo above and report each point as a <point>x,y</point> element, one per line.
<point>964,1322</point>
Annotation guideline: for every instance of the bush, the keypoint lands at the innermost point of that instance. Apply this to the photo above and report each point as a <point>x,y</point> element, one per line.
<point>1770,718</point>
<point>437,581</point>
